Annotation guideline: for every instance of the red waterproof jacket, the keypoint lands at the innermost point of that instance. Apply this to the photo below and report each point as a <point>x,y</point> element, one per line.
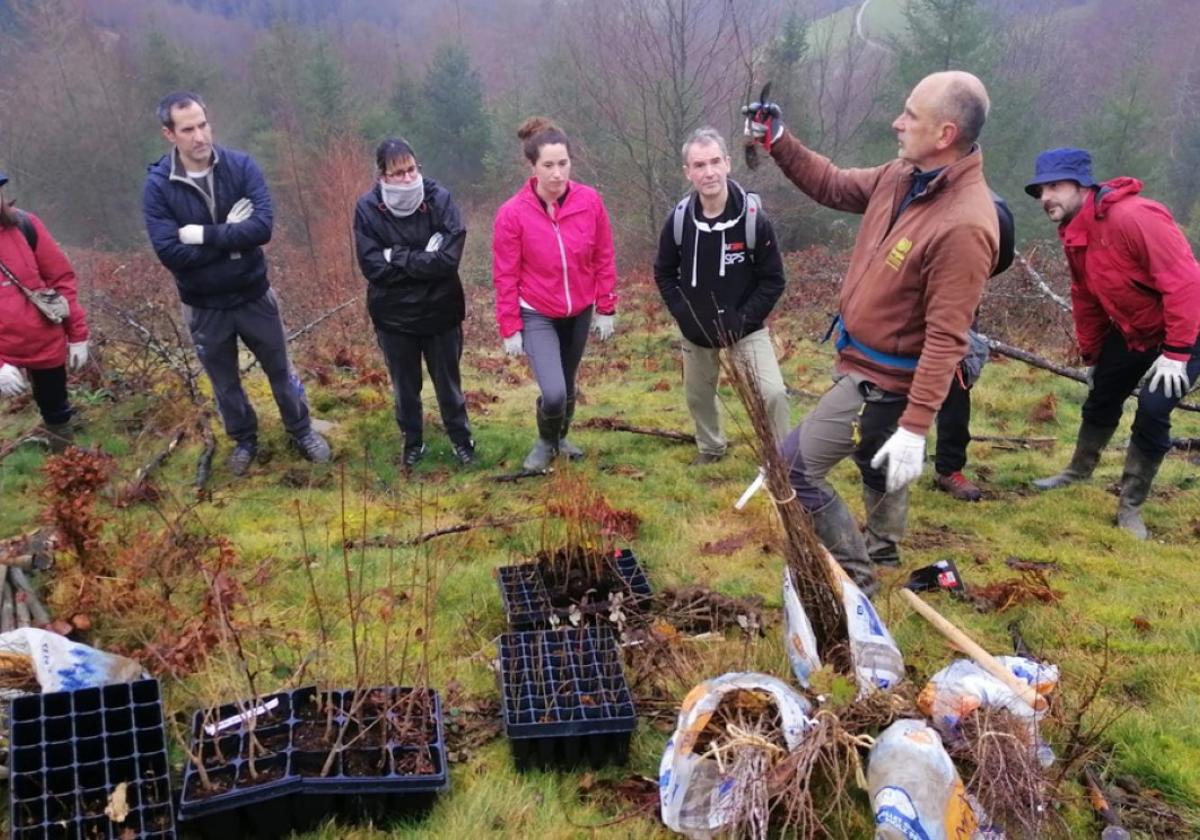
<point>1131,268</point>
<point>27,339</point>
<point>559,266</point>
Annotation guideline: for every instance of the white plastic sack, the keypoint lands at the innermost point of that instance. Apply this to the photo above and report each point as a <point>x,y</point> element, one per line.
<point>798,638</point>
<point>63,665</point>
<point>915,791</point>
<point>695,799</point>
<point>877,660</point>
<point>962,687</point>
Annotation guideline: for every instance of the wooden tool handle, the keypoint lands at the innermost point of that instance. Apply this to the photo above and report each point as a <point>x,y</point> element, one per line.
<point>982,658</point>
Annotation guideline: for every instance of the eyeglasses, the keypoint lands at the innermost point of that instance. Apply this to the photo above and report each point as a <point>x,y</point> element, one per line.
<point>402,174</point>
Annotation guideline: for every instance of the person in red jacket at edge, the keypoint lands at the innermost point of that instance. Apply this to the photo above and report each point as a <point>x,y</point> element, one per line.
<point>1135,296</point>
<point>555,277</point>
<point>33,351</point>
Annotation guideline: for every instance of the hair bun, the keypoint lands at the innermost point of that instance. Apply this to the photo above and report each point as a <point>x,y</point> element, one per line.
<point>534,125</point>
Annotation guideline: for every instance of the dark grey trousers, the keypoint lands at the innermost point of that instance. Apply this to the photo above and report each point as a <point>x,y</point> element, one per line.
<point>555,347</point>
<point>402,352</point>
<point>215,334</point>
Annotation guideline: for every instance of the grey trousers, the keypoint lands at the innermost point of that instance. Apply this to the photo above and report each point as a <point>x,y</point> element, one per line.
<point>555,347</point>
<point>403,353</point>
<point>853,419</point>
<point>215,334</point>
<point>702,372</point>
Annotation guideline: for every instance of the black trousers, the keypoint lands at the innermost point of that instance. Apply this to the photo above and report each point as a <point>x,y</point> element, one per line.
<point>50,394</point>
<point>403,352</point>
<point>1118,372</point>
<point>953,429</point>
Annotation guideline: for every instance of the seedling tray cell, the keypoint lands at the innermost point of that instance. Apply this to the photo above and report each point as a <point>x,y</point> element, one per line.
<point>529,604</point>
<point>565,698</point>
<point>69,752</point>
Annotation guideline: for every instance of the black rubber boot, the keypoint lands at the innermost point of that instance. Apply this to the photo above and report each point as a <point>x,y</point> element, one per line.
<point>1136,479</point>
<point>60,436</point>
<point>1088,446</point>
<point>887,517</point>
<point>836,528</point>
<point>565,446</point>
<point>545,449</point>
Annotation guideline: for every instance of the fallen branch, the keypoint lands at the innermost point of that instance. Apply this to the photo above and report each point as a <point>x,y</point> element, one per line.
<point>462,527</point>
<point>1186,444</point>
<point>506,478</point>
<point>1026,442</point>
<point>1040,282</point>
<point>612,424</point>
<point>22,586</point>
<point>1037,361</point>
<point>157,460</point>
<point>13,444</point>
<point>307,328</point>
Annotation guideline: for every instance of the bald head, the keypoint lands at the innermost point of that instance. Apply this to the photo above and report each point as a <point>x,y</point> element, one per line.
<point>958,97</point>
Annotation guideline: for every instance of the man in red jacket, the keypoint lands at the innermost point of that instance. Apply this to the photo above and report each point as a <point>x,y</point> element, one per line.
<point>1135,295</point>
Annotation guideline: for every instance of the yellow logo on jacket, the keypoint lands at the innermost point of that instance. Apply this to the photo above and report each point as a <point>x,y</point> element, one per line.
<point>899,251</point>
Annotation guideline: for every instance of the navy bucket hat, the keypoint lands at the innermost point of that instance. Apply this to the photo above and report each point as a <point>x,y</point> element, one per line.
<point>1066,164</point>
<point>3,178</point>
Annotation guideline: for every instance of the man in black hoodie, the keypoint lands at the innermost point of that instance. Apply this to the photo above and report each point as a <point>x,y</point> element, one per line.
<point>720,282</point>
<point>409,238</point>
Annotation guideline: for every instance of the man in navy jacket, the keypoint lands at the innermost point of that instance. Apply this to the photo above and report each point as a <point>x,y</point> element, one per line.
<point>208,213</point>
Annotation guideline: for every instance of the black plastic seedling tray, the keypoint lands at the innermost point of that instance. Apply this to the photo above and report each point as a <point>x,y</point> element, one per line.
<point>69,752</point>
<point>295,797</point>
<point>528,604</point>
<point>565,698</point>
<point>250,801</point>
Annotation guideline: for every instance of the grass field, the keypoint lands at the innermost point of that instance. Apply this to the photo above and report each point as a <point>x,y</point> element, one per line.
<point>1141,597</point>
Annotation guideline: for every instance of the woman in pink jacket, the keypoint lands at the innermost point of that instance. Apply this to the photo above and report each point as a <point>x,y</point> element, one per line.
<point>555,276</point>
<point>34,351</point>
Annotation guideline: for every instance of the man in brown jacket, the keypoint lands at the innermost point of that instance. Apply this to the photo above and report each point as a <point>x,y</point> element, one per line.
<point>928,241</point>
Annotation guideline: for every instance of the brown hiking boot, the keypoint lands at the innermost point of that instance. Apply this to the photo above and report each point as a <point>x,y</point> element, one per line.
<point>958,486</point>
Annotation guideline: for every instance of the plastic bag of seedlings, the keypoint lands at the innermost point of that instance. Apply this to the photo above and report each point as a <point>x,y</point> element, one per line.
<point>915,791</point>
<point>962,687</point>
<point>877,660</point>
<point>54,663</point>
<point>697,797</point>
<point>798,637</point>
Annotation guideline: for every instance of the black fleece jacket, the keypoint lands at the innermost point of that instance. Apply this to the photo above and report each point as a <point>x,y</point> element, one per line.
<point>714,310</point>
<point>417,292</point>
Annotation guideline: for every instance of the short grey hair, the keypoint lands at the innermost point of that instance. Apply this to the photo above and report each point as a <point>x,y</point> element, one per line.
<point>705,134</point>
<point>967,106</point>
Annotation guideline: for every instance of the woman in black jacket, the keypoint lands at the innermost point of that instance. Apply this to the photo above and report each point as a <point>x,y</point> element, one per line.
<point>409,238</point>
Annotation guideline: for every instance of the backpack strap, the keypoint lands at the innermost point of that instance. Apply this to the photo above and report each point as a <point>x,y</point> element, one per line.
<point>27,230</point>
<point>680,214</point>
<point>753,208</point>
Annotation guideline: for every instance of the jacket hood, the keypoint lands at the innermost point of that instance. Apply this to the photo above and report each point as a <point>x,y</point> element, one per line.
<point>1111,192</point>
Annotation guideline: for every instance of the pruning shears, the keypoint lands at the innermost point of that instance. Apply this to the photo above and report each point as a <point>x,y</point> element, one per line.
<point>761,116</point>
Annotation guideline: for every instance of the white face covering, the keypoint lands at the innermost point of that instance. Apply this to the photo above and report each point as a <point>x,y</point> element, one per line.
<point>403,199</point>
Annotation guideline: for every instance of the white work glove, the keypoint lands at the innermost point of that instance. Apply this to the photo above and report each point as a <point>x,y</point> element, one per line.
<point>434,243</point>
<point>514,345</point>
<point>11,381</point>
<point>905,456</point>
<point>1172,373</point>
<point>77,354</point>
<point>387,255</point>
<point>192,234</point>
<point>603,326</point>
<point>241,210</point>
